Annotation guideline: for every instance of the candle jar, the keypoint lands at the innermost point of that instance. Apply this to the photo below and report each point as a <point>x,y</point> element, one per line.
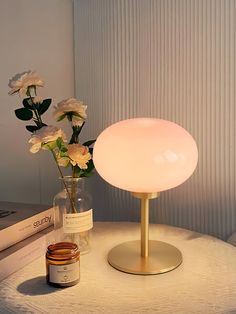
<point>63,264</point>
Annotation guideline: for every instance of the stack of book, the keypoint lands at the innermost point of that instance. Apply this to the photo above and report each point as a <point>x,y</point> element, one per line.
<point>25,232</point>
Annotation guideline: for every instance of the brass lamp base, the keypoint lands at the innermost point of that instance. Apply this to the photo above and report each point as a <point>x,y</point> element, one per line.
<point>163,257</point>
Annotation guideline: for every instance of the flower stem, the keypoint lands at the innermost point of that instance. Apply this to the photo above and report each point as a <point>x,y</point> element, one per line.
<point>35,110</point>
<point>63,180</point>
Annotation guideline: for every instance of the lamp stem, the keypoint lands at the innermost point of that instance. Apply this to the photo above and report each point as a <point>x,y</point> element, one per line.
<point>145,197</point>
<point>144,226</point>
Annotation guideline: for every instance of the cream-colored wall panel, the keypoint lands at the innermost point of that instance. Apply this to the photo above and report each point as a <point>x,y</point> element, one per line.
<point>170,59</point>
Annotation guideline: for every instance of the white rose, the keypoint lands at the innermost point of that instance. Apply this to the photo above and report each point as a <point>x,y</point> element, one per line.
<point>20,82</point>
<point>36,143</point>
<point>46,134</point>
<point>63,161</point>
<point>71,106</point>
<point>79,155</point>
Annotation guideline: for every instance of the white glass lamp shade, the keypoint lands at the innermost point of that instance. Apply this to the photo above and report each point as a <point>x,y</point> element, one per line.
<point>145,155</point>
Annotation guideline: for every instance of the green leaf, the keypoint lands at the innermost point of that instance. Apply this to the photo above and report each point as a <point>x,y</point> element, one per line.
<point>43,107</point>
<point>74,113</point>
<point>61,145</point>
<point>50,145</point>
<point>27,103</point>
<point>24,114</point>
<point>89,171</point>
<point>59,142</point>
<point>70,114</point>
<point>64,149</point>
<point>63,154</point>
<point>90,166</point>
<point>61,117</point>
<point>87,174</point>
<point>88,143</point>
<point>36,106</point>
<point>32,128</point>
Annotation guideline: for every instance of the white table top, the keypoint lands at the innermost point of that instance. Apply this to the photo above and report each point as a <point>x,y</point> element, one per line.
<point>204,283</point>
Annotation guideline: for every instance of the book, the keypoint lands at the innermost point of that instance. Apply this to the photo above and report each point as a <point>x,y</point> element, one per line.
<point>19,221</point>
<point>24,252</point>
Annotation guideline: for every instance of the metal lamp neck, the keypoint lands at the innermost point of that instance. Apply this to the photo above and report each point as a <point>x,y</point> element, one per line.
<point>145,197</point>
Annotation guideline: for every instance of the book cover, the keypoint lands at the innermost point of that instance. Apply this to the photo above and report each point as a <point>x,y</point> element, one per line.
<point>19,221</point>
<point>19,255</point>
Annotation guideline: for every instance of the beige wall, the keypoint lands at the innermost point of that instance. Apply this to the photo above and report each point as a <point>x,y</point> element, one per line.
<point>171,59</point>
<point>35,35</point>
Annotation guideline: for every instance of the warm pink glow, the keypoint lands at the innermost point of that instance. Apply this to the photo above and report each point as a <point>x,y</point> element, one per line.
<point>145,155</point>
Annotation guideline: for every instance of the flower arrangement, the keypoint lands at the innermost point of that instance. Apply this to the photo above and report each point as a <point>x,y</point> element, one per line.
<point>47,137</point>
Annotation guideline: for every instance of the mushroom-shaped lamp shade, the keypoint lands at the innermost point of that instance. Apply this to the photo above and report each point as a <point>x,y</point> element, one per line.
<point>145,155</point>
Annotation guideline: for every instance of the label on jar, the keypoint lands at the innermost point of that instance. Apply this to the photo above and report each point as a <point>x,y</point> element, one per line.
<point>64,273</point>
<point>78,222</point>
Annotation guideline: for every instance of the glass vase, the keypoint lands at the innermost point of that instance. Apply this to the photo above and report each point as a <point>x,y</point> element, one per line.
<point>73,216</point>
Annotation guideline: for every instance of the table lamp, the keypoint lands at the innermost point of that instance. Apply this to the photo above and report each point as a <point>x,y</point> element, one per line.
<point>145,156</point>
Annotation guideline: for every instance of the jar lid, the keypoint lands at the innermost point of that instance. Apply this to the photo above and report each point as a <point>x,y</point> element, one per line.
<point>62,251</point>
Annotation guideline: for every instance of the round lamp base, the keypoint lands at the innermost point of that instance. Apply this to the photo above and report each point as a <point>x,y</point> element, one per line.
<point>163,257</point>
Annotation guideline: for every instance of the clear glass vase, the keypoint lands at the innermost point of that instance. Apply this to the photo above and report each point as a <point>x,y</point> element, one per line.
<point>73,216</point>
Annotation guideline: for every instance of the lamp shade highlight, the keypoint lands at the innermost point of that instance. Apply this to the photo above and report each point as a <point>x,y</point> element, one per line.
<point>145,155</point>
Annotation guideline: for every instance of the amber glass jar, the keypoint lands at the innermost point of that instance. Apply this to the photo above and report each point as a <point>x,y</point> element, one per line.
<point>63,264</point>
